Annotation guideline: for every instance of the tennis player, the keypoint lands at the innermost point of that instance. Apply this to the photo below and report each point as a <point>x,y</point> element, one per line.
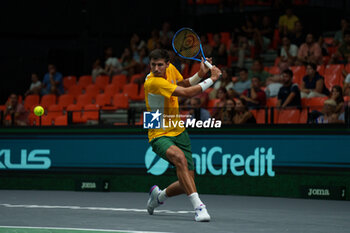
<point>162,87</point>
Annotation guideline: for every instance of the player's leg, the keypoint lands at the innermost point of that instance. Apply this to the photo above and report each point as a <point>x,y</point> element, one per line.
<point>175,188</point>
<point>177,157</point>
<point>182,151</point>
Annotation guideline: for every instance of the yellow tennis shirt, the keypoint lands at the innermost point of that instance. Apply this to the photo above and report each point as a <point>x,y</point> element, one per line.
<point>158,96</point>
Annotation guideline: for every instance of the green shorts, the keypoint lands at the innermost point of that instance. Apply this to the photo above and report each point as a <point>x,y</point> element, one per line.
<point>160,146</point>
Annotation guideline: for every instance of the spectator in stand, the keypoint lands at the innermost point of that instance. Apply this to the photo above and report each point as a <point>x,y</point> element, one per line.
<point>242,114</point>
<point>166,32</point>
<point>15,113</point>
<point>275,82</point>
<point>286,23</point>
<point>219,54</point>
<point>97,70</point>
<point>228,112</point>
<point>53,82</point>
<point>309,52</point>
<point>329,114</point>
<point>257,70</point>
<point>254,96</point>
<point>142,60</point>
<point>242,51</point>
<point>313,83</point>
<point>346,87</point>
<point>35,86</point>
<point>222,96</point>
<point>289,93</point>
<point>266,31</point>
<point>339,35</point>
<point>152,42</point>
<point>112,63</point>
<point>298,37</point>
<point>225,81</point>
<point>128,63</point>
<point>343,53</point>
<point>337,96</point>
<point>289,51</point>
<point>207,48</point>
<point>243,83</point>
<point>135,45</point>
<point>197,112</point>
<point>253,35</point>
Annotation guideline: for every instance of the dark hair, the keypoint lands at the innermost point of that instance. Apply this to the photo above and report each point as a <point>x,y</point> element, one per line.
<point>257,77</point>
<point>243,69</point>
<point>159,54</point>
<point>288,72</point>
<point>340,98</point>
<point>313,66</point>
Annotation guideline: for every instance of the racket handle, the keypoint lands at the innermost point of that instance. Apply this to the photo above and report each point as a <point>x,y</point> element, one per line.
<point>208,64</point>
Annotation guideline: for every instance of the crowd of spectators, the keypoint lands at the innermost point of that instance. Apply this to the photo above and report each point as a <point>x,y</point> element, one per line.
<point>240,89</point>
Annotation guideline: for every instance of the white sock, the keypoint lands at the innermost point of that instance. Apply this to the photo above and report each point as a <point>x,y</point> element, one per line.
<point>162,196</point>
<point>194,198</point>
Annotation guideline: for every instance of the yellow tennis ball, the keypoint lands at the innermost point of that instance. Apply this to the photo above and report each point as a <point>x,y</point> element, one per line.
<point>38,110</point>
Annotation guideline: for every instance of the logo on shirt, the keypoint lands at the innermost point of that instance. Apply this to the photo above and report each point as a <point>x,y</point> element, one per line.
<point>152,120</point>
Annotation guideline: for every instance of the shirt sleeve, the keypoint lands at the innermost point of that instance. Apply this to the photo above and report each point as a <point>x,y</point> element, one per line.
<point>178,76</point>
<point>162,87</point>
<point>295,88</point>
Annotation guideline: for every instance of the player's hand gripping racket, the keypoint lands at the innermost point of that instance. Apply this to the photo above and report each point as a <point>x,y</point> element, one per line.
<point>187,44</point>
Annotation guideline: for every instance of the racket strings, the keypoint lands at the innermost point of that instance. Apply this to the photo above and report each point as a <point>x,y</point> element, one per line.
<point>187,43</point>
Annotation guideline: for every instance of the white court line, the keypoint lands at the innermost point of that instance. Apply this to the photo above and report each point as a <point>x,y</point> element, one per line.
<point>79,229</point>
<point>94,208</point>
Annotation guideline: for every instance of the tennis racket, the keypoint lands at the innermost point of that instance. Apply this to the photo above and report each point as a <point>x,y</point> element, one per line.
<point>186,44</point>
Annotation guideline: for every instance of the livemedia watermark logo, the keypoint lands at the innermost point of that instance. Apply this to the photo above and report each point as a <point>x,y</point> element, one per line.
<point>157,120</point>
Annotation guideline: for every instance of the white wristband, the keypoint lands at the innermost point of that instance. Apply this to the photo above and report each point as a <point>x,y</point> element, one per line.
<point>195,79</point>
<point>206,84</point>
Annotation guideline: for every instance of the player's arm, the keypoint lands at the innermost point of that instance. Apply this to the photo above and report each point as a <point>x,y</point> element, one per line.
<point>195,79</point>
<point>198,88</point>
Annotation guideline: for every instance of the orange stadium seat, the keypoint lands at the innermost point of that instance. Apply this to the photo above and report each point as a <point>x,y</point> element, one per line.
<point>31,101</point>
<point>120,80</point>
<point>298,73</point>
<point>91,112</point>
<point>48,100</point>
<point>61,120</point>
<point>84,81</point>
<point>288,116</point>
<point>259,115</point>
<point>120,101</point>
<point>274,70</point>
<point>54,111</point>
<point>92,90</point>
<point>211,105</point>
<point>131,90</point>
<point>316,103</point>
<point>333,69</point>
<point>46,120</point>
<point>320,69</point>
<point>332,79</point>
<point>69,81</point>
<point>194,68</point>
<point>75,90</point>
<point>271,102</point>
<point>76,113</point>
<point>347,68</point>
<point>84,99</point>
<point>136,76</point>
<point>65,100</point>
<point>103,100</point>
<point>112,89</point>
<point>303,116</point>
<point>102,81</point>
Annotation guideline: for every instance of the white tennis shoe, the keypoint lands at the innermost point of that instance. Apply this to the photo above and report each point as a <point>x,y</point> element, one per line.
<point>201,214</point>
<point>153,202</point>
